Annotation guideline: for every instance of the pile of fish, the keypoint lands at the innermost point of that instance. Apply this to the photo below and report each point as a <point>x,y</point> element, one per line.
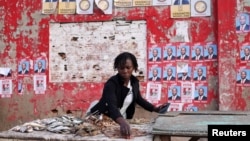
<point>67,124</point>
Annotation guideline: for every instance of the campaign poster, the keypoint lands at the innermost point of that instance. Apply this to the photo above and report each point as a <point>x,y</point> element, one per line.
<point>245,52</point>
<point>169,52</point>
<point>200,73</point>
<point>153,93</point>
<point>190,108</point>
<point>174,93</point>
<point>200,8</point>
<point>142,3</point>
<point>184,71</point>
<point>6,88</point>
<point>183,52</point>
<point>197,52</point>
<point>180,9</point>
<point>175,107</point>
<point>67,7</point>
<point>154,54</point>
<point>169,72</point>
<point>187,91</point>
<point>201,93</point>
<point>40,66</point>
<point>243,76</point>
<point>84,6</point>
<point>20,86</point>
<point>5,72</point>
<point>40,84</point>
<point>210,52</point>
<point>154,73</point>
<point>105,5</point>
<point>123,3</point>
<point>242,23</point>
<point>24,67</point>
<point>49,6</point>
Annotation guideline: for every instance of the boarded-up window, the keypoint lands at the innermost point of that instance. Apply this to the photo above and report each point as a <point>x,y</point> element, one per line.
<point>85,52</point>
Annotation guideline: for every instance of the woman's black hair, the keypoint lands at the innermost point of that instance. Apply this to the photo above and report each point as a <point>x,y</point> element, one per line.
<point>121,59</point>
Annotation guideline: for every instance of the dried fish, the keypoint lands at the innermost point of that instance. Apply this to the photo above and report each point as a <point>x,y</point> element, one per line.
<point>61,129</point>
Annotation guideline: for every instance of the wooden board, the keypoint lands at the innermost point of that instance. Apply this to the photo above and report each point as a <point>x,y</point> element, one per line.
<point>45,135</point>
<point>115,133</point>
<point>195,124</point>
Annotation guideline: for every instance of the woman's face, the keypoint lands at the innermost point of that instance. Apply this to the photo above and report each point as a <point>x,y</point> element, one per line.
<point>126,70</point>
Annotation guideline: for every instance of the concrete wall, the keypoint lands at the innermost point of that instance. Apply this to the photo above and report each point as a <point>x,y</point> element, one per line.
<point>25,35</point>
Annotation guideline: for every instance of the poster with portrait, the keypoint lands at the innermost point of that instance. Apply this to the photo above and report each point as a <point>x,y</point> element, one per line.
<point>40,84</point>
<point>180,9</point>
<point>242,23</point>
<point>200,93</point>
<point>245,52</point>
<point>174,93</point>
<point>20,86</point>
<point>183,51</point>
<point>49,6</point>
<point>154,72</point>
<point>243,76</point>
<point>175,107</point>
<point>197,52</point>
<point>24,67</point>
<point>200,8</point>
<point>6,88</point>
<point>169,52</point>
<point>199,73</point>
<point>161,2</point>
<point>40,66</point>
<point>184,71</point>
<point>187,91</point>
<point>154,54</point>
<point>67,7</point>
<point>210,52</point>
<point>153,93</point>
<point>169,72</point>
<point>84,6</point>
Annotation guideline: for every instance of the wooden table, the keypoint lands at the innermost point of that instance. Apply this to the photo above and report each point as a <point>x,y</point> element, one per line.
<point>194,124</point>
<point>45,135</point>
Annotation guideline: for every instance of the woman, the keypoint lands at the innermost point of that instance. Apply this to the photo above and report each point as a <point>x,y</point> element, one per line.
<point>121,93</point>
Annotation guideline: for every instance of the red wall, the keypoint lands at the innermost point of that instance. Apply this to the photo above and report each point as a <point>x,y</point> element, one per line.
<point>232,96</point>
<point>24,33</point>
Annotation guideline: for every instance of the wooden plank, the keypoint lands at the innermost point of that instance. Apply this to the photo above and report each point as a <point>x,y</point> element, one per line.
<point>45,135</point>
<point>187,124</point>
<point>173,114</point>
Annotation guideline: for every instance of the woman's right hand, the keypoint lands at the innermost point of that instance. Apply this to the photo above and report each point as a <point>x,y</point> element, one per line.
<point>124,127</point>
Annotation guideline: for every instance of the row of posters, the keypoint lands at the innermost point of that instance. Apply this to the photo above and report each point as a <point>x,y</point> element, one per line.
<point>180,71</point>
<point>26,67</point>
<point>179,8</point>
<point>6,85</point>
<point>186,92</point>
<point>196,52</point>
<point>178,94</point>
<point>188,62</point>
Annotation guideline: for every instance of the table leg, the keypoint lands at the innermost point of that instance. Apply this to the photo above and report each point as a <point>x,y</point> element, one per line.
<point>162,138</point>
<point>194,139</point>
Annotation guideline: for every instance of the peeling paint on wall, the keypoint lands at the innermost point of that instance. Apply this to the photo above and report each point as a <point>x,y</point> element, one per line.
<point>83,52</point>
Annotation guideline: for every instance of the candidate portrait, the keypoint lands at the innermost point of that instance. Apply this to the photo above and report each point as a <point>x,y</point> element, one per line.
<point>242,23</point>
